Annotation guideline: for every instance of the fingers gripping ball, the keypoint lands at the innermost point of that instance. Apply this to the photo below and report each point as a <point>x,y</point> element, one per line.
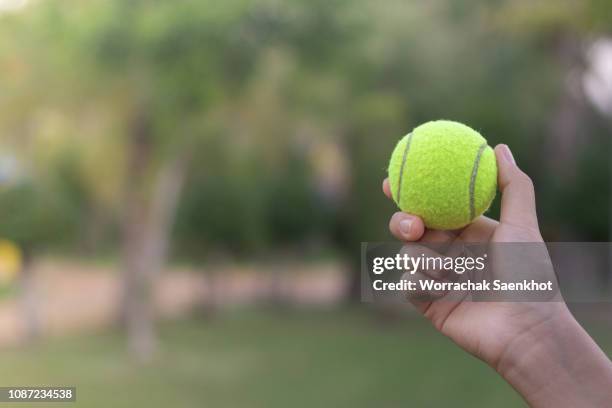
<point>444,172</point>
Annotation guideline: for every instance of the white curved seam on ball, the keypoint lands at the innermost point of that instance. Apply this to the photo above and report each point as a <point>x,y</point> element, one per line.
<point>401,174</point>
<point>473,180</point>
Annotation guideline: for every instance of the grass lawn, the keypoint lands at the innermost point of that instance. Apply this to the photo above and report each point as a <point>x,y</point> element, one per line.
<point>263,359</point>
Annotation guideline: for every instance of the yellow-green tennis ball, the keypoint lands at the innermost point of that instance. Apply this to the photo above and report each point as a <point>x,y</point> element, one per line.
<point>444,172</point>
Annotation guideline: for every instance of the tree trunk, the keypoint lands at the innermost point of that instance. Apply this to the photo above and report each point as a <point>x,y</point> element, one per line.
<point>168,188</point>
<point>568,116</point>
<point>93,230</point>
<point>29,301</point>
<point>136,312</point>
<point>147,224</point>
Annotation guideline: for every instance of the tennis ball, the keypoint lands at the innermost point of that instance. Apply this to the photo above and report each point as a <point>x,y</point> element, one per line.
<point>444,172</point>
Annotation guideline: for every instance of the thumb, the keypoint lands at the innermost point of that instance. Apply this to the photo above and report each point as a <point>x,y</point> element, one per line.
<point>518,198</point>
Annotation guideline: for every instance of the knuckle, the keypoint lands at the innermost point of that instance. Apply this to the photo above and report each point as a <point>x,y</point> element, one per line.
<point>525,181</point>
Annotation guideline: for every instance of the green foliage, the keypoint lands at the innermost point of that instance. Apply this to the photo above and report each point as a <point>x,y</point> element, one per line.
<point>37,216</point>
<point>248,210</point>
<point>247,86</point>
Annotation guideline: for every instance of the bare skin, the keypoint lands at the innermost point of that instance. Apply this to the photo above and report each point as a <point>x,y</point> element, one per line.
<point>538,348</point>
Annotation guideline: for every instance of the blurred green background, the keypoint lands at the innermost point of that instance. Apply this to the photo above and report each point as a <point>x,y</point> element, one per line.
<point>188,184</point>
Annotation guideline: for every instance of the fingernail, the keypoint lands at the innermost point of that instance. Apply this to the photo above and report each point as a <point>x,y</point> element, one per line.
<point>507,154</point>
<point>405,226</point>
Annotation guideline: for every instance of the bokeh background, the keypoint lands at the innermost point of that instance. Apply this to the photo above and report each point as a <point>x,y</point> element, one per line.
<point>184,186</point>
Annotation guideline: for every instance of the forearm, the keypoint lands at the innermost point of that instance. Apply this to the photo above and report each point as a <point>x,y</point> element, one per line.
<point>557,364</point>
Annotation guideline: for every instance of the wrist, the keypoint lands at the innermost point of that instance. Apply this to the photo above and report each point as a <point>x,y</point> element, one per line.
<point>556,363</point>
<point>552,322</point>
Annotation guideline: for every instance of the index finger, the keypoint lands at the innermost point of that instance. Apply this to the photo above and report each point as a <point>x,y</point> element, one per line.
<point>387,188</point>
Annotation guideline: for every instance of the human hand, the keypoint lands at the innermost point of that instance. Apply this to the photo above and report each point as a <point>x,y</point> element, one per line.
<point>502,333</point>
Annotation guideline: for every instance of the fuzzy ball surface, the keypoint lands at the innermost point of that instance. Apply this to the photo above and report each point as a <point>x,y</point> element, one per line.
<point>444,172</point>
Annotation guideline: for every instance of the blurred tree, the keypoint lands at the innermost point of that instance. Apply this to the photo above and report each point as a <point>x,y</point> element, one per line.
<point>169,63</point>
<point>143,74</point>
<point>36,214</point>
<point>278,117</point>
<point>563,35</point>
